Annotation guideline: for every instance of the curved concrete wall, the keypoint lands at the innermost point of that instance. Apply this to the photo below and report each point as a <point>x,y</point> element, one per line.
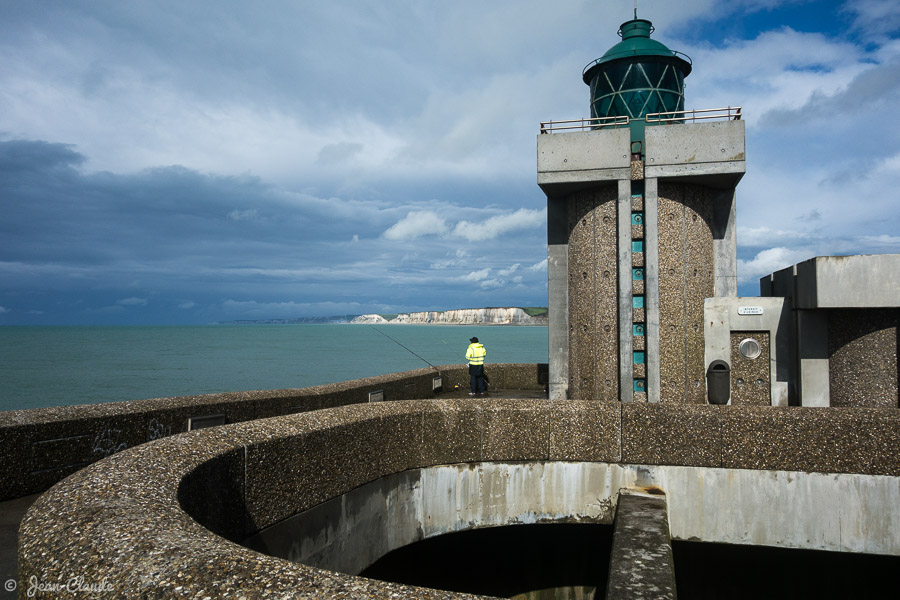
<point>769,508</point>
<point>163,519</point>
<point>41,446</point>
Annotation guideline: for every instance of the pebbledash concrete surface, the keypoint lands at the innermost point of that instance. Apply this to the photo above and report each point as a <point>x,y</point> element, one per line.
<point>41,446</point>
<point>173,518</point>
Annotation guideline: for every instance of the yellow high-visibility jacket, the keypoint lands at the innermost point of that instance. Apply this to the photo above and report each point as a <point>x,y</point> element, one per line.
<point>475,354</point>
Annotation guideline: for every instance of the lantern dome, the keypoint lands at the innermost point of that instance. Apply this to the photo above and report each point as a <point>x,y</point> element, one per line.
<point>637,76</point>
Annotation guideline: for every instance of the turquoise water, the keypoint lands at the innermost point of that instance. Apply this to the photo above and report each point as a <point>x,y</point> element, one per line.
<point>57,366</point>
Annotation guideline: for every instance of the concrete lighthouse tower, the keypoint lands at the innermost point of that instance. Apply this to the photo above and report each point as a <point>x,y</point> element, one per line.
<point>641,209</point>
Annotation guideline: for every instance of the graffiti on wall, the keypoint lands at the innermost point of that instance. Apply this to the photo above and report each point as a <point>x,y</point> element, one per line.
<point>108,441</point>
<point>157,430</point>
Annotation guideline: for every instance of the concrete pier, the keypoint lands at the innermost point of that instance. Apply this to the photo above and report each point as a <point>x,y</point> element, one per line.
<point>147,528</point>
<point>41,446</point>
<point>641,564</point>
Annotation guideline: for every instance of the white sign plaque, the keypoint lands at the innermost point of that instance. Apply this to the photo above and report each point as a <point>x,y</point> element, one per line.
<point>750,310</point>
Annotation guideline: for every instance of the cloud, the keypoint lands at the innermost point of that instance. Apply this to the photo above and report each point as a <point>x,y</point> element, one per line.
<point>875,85</point>
<point>508,271</point>
<point>27,156</point>
<point>768,261</point>
<point>887,243</point>
<point>490,284</point>
<point>132,302</point>
<point>501,224</point>
<point>422,223</point>
<point>503,278</point>
<point>873,18</point>
<point>375,153</point>
<point>3,310</point>
<point>757,237</point>
<point>243,309</point>
<point>539,266</point>
<point>812,215</point>
<point>416,224</point>
<point>477,275</point>
<point>460,258</point>
<point>170,233</point>
<point>341,152</point>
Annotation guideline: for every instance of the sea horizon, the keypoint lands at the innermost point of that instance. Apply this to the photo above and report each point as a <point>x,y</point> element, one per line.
<point>63,365</point>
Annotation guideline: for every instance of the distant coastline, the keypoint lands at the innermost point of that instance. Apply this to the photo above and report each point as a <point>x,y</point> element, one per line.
<point>463,316</point>
<point>508,315</point>
<point>332,320</point>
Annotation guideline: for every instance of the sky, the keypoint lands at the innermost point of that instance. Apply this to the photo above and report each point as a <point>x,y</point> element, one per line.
<point>190,162</point>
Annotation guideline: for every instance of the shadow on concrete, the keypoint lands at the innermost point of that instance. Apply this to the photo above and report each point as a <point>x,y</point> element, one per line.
<point>11,514</point>
<point>558,560</point>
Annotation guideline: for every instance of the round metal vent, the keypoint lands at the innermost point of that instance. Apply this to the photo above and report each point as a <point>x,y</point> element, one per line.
<point>750,348</point>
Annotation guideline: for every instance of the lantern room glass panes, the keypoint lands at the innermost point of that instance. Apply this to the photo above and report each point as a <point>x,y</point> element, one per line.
<point>636,89</point>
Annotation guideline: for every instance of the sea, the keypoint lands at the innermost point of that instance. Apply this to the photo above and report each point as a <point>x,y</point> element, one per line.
<point>63,366</point>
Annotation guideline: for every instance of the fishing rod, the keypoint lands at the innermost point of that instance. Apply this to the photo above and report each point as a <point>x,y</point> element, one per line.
<point>405,348</point>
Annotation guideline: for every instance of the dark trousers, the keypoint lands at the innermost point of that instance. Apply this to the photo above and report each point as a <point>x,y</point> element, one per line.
<point>477,381</point>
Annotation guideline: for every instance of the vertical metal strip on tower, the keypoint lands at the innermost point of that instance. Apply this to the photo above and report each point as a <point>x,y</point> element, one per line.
<point>651,286</point>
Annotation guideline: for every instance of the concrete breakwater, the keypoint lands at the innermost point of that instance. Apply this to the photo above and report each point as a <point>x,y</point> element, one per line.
<point>42,446</point>
<point>465,316</point>
<point>393,472</point>
<point>305,488</point>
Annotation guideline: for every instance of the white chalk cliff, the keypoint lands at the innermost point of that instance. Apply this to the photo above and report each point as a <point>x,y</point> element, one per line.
<point>369,320</point>
<point>464,316</point>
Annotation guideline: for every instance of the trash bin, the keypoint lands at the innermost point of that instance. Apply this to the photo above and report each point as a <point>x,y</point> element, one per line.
<point>718,382</point>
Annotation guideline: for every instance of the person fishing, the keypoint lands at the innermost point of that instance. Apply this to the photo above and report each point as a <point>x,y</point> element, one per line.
<point>476,354</point>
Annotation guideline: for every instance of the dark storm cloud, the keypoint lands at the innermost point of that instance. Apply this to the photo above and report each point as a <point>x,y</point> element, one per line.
<point>160,213</point>
<point>119,246</point>
<point>215,160</point>
<point>18,158</point>
<point>171,214</point>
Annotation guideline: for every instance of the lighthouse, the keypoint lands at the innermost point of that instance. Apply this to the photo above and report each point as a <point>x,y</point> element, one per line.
<point>641,227</point>
<point>638,76</point>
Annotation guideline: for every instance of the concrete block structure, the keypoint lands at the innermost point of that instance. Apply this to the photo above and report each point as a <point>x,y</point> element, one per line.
<point>642,261</point>
<point>754,337</point>
<point>823,333</point>
<point>641,230</point>
<point>844,320</point>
